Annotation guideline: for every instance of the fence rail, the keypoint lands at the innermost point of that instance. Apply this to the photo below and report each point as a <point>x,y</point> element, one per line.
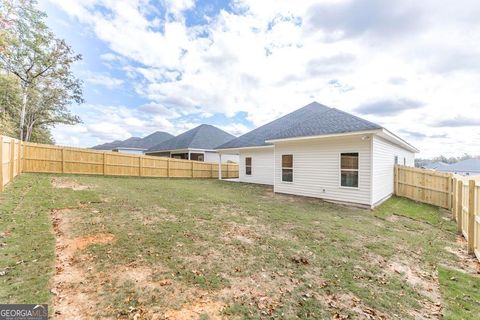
<point>20,157</point>
<point>459,194</point>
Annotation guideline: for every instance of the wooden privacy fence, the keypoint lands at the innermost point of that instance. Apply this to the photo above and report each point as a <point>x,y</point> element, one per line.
<point>459,194</point>
<point>466,210</point>
<point>10,155</point>
<point>425,186</point>
<point>20,157</point>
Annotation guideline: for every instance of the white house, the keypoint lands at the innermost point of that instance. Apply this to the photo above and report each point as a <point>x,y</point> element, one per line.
<point>322,152</point>
<point>196,144</point>
<point>129,150</point>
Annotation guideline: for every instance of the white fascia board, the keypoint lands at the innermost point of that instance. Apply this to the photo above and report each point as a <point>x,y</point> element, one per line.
<point>388,135</point>
<point>236,150</point>
<point>346,134</point>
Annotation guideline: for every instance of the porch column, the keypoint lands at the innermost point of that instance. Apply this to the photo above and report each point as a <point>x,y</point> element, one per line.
<point>219,166</point>
<point>189,155</point>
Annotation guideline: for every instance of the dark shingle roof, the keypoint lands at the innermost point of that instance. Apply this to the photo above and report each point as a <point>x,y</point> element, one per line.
<point>136,142</point>
<point>202,137</point>
<point>154,139</point>
<point>312,120</point>
<point>435,165</point>
<point>469,165</point>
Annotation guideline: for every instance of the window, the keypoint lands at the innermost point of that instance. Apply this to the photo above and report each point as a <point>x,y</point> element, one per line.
<point>287,168</point>
<point>404,161</point>
<point>396,160</point>
<point>248,166</point>
<point>349,170</point>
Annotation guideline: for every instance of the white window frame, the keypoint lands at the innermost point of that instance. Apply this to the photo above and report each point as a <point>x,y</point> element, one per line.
<point>288,168</point>
<point>251,166</point>
<point>340,170</point>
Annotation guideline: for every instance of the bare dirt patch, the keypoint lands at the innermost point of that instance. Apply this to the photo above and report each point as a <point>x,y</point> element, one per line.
<point>265,290</point>
<point>193,311</point>
<point>74,297</point>
<point>241,233</point>
<point>343,304</point>
<point>392,218</point>
<point>468,263</point>
<point>64,183</point>
<point>423,282</point>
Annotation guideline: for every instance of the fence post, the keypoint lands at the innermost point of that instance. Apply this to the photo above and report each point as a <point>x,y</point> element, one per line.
<point>19,155</point>
<point>63,160</point>
<point>471,216</point>
<point>12,159</point>
<point>396,181</point>
<point>1,163</point>
<point>168,167</point>
<point>104,163</point>
<point>459,206</point>
<point>449,190</point>
<point>140,166</point>
<point>454,199</point>
<point>192,168</point>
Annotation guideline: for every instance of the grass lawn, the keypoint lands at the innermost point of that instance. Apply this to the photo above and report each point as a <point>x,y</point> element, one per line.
<point>207,249</point>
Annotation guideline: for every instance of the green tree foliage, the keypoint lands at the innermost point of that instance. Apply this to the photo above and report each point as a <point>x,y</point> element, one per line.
<point>41,64</point>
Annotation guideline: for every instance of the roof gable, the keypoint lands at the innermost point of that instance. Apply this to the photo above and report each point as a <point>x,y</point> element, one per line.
<point>204,136</point>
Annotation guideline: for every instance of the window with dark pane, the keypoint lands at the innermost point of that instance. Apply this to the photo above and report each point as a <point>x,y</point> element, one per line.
<point>349,170</point>
<point>248,166</point>
<point>287,168</point>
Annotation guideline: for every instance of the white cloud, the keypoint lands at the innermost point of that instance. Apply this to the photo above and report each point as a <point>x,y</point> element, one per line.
<point>269,57</point>
<point>103,123</point>
<point>103,80</point>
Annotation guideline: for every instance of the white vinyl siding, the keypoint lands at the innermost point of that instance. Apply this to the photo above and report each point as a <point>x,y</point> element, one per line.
<point>384,153</point>
<point>214,157</point>
<point>316,168</point>
<point>262,166</point>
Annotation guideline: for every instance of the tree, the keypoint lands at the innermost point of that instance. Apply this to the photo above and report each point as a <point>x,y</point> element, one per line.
<point>49,105</point>
<point>38,59</point>
<point>9,104</point>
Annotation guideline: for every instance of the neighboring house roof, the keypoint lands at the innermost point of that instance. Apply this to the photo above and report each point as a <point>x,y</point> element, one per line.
<point>312,120</point>
<point>435,165</point>
<point>205,137</point>
<point>136,142</point>
<point>153,139</point>
<point>469,165</point>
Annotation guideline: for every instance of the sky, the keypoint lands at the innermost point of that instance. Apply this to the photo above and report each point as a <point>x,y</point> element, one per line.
<point>410,66</point>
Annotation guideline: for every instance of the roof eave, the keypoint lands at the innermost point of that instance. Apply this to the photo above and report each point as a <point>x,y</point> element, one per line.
<point>396,139</point>
<point>333,135</point>
<point>243,148</point>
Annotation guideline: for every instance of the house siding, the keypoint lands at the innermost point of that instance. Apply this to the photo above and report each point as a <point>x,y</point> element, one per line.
<point>384,153</point>
<point>214,157</point>
<point>316,169</point>
<point>262,166</point>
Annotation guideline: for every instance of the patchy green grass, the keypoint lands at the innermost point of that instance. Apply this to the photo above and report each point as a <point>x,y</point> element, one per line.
<point>461,293</point>
<point>410,209</point>
<point>27,243</point>
<point>213,248</point>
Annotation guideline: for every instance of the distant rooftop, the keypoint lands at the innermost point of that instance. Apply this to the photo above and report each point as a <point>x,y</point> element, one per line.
<point>136,142</point>
<point>205,137</point>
